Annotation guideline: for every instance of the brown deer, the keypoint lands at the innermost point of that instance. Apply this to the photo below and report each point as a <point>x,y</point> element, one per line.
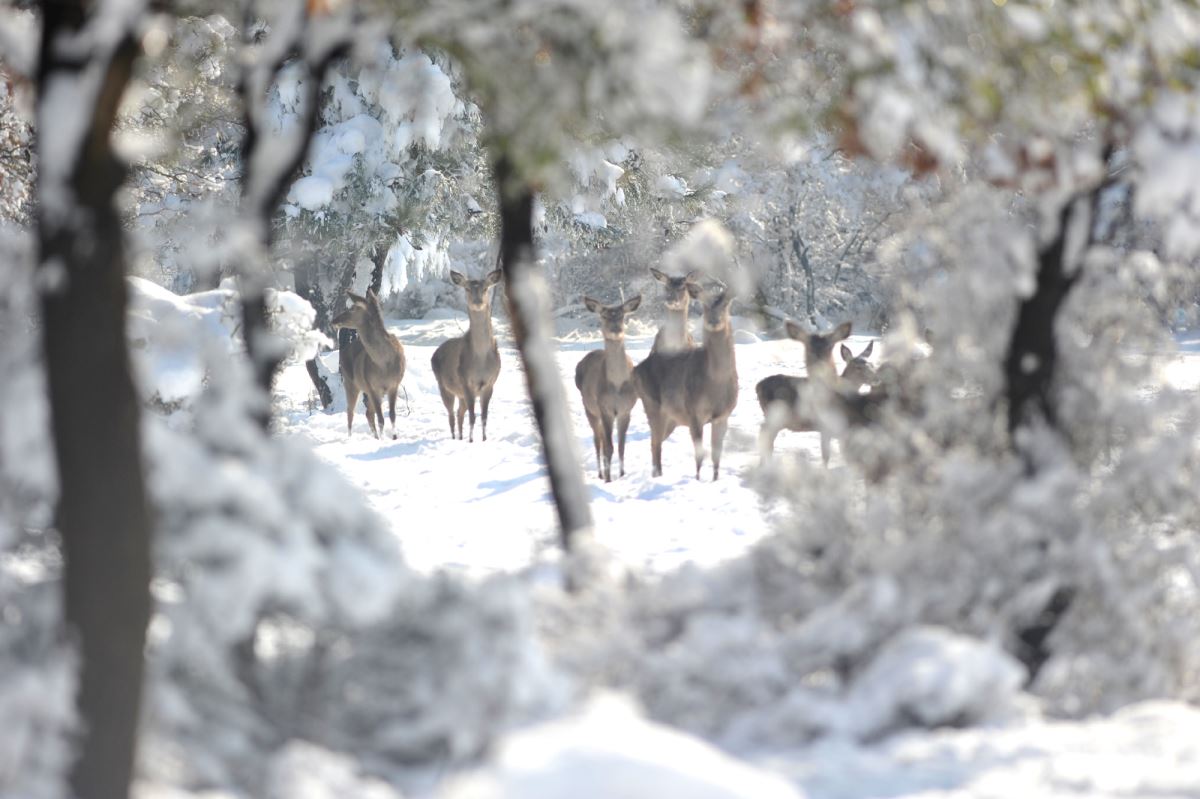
<point>605,381</point>
<point>373,363</point>
<point>787,401</point>
<point>674,335</point>
<point>467,367</point>
<point>694,387</point>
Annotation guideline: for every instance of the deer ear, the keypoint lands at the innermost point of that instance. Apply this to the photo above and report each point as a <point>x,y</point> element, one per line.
<point>847,355</point>
<point>867,352</point>
<point>357,298</point>
<point>458,278</point>
<point>693,276</point>
<point>841,331</point>
<point>632,303</point>
<point>694,290</point>
<point>493,278</point>
<point>592,305</point>
<point>795,331</point>
<point>659,276</point>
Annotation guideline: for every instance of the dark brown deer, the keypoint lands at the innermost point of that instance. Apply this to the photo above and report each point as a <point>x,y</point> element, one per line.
<point>605,381</point>
<point>694,387</point>
<point>788,401</point>
<point>467,367</point>
<point>373,363</point>
<point>674,335</point>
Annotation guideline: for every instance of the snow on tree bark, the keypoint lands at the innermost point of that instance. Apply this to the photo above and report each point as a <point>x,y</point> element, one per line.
<point>87,56</point>
<point>529,310</point>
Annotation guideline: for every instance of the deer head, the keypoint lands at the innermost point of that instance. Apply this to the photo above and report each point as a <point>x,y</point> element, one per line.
<point>479,291</point>
<point>676,288</point>
<point>355,315</point>
<point>717,306</point>
<point>612,317</point>
<point>818,348</point>
<point>859,371</point>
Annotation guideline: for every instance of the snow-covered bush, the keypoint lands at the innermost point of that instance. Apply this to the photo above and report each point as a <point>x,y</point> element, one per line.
<point>174,336</point>
<point>285,612</point>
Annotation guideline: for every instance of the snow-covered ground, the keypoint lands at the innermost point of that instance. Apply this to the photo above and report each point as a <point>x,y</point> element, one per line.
<point>484,506</point>
<point>477,508</point>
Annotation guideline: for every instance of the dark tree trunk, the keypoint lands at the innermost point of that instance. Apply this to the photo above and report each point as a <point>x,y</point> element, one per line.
<point>378,259</point>
<point>528,309</point>
<point>1033,350</point>
<point>263,189</point>
<point>94,409</point>
<point>308,286</point>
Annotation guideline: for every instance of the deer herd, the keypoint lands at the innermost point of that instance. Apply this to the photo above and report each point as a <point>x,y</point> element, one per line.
<point>680,383</point>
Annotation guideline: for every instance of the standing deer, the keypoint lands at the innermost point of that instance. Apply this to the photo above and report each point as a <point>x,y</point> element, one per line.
<point>694,387</point>
<point>466,367</point>
<point>373,363</point>
<point>787,401</point>
<point>674,335</point>
<point>605,381</point>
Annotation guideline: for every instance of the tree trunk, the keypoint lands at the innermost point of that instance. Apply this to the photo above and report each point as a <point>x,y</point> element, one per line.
<point>528,308</point>
<point>94,409</point>
<point>308,286</point>
<point>1033,351</point>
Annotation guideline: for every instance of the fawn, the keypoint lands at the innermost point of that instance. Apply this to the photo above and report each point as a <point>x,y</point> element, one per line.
<point>787,401</point>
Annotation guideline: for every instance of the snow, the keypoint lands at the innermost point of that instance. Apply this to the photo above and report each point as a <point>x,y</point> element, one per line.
<point>312,192</point>
<point>648,523</point>
<point>609,751</point>
<point>1148,749</point>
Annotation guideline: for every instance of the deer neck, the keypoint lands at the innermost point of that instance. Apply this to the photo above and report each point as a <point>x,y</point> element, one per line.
<point>375,338</point>
<point>479,330</point>
<point>676,326</point>
<point>718,349</point>
<point>616,364</point>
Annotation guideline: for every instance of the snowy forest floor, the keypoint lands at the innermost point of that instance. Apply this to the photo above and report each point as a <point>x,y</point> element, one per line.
<point>482,507</point>
<point>479,507</point>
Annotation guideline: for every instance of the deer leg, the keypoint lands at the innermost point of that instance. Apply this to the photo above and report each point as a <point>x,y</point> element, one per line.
<point>607,422</point>
<point>719,426</point>
<point>392,410</point>
<point>697,431</point>
<point>351,400</point>
<point>448,401</point>
<point>622,429</point>
<point>656,442</point>
<point>378,400</point>
<point>470,400</point>
<point>485,399</point>
<point>594,423</point>
<point>462,411</point>
<point>371,412</point>
<point>825,448</point>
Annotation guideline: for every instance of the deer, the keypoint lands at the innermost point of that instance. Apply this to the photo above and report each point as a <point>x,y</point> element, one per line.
<point>674,335</point>
<point>605,381</point>
<point>372,364</point>
<point>467,367</point>
<point>858,371</point>
<point>787,400</point>
<point>694,387</point>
